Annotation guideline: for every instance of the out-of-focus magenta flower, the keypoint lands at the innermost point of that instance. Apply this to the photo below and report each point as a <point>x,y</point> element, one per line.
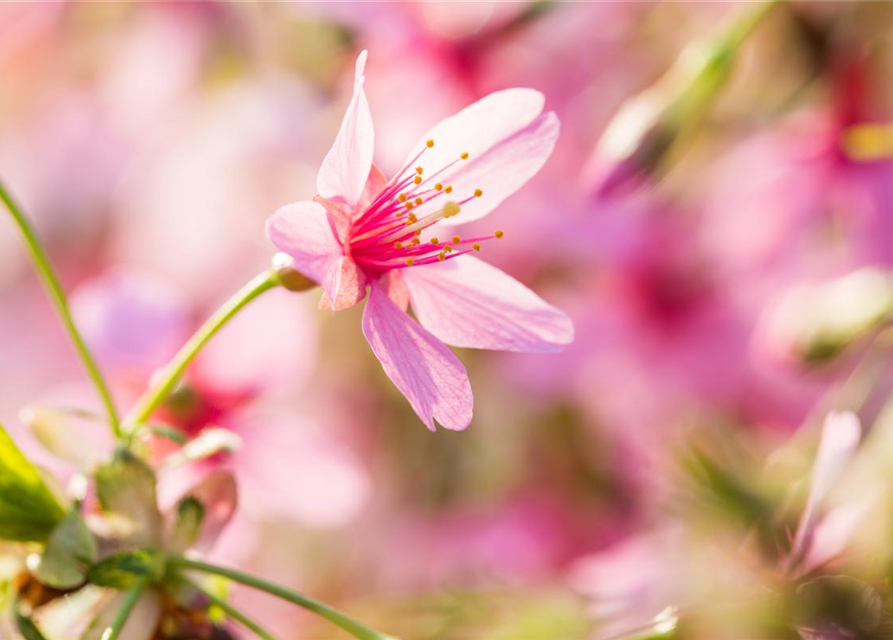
<point>365,231</point>
<point>135,323</point>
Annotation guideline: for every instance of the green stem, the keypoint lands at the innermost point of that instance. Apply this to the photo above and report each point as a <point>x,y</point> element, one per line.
<point>352,626</point>
<point>168,378</point>
<point>57,296</point>
<point>233,613</point>
<point>121,615</point>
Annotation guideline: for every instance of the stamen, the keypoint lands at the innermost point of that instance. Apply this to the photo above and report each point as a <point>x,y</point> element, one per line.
<point>419,170</point>
<point>476,246</point>
<point>418,180</point>
<point>456,239</point>
<point>448,189</point>
<point>416,241</point>
<point>464,155</point>
<point>498,234</point>
<point>402,197</point>
<point>429,144</point>
<point>435,241</point>
<point>441,256</point>
<point>409,262</point>
<point>478,193</point>
<point>398,245</point>
<point>438,186</point>
<point>418,201</point>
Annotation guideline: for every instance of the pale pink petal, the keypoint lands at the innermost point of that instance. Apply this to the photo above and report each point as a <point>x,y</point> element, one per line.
<point>351,287</point>
<point>304,231</point>
<point>393,282</point>
<point>840,438</point>
<point>832,534</point>
<point>344,171</point>
<point>374,185</point>
<point>421,366</point>
<point>219,497</point>
<point>507,140</point>
<point>468,303</point>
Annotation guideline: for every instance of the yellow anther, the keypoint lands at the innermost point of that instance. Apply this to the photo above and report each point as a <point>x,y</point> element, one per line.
<point>398,245</point>
<point>448,189</point>
<point>464,155</point>
<point>408,205</point>
<point>418,180</point>
<point>429,144</point>
<point>451,209</point>
<point>402,197</point>
<point>456,239</point>
<point>438,187</point>
<point>418,233</point>
<point>419,170</point>
<point>499,234</point>
<point>478,193</point>
<point>476,246</point>
<point>418,201</point>
<point>400,214</point>
<point>435,241</point>
<point>447,248</point>
<point>441,255</point>
<point>416,241</point>
<point>409,262</point>
<point>413,217</point>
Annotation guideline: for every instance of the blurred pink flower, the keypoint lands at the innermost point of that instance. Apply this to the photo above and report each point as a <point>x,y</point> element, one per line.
<point>284,466</point>
<point>354,235</point>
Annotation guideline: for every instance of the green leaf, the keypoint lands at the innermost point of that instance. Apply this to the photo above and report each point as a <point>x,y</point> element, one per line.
<point>124,570</point>
<point>28,509</point>
<point>26,626</point>
<point>70,549</point>
<point>188,524</point>
<point>126,490</point>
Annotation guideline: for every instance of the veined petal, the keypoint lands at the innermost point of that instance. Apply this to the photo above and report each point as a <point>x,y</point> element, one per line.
<point>468,303</point>
<point>343,173</point>
<point>304,231</point>
<point>507,142</point>
<point>350,290</point>
<point>841,433</point>
<point>421,366</point>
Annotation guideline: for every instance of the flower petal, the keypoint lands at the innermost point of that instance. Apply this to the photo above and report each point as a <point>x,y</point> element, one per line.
<point>304,231</point>
<point>507,141</point>
<point>468,303</point>
<point>841,433</point>
<point>421,366</point>
<point>345,168</point>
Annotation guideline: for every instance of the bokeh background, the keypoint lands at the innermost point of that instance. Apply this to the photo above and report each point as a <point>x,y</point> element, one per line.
<point>714,160</point>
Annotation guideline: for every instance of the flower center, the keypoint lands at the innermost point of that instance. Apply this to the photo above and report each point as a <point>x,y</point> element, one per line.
<point>389,233</point>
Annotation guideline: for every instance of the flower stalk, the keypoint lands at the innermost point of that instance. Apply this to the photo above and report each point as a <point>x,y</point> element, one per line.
<point>345,622</point>
<point>57,297</point>
<point>233,613</point>
<point>113,632</point>
<point>171,374</point>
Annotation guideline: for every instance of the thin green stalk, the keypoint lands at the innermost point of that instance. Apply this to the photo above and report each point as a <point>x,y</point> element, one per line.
<point>352,626</point>
<point>113,632</point>
<point>167,380</point>
<point>233,613</point>
<point>57,297</point>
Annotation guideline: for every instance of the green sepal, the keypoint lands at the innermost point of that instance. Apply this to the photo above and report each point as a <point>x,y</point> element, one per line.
<point>124,570</point>
<point>70,550</point>
<point>28,509</point>
<point>188,524</point>
<point>125,488</point>
<point>26,626</point>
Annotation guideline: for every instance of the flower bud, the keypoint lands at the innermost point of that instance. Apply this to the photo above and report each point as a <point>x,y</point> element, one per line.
<point>288,276</point>
<point>815,323</point>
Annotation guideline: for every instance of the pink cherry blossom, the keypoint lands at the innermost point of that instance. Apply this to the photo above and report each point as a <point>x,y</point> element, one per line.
<point>366,232</point>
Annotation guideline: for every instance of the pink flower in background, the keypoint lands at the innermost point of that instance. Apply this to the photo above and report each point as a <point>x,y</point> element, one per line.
<point>286,466</point>
<point>365,231</point>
